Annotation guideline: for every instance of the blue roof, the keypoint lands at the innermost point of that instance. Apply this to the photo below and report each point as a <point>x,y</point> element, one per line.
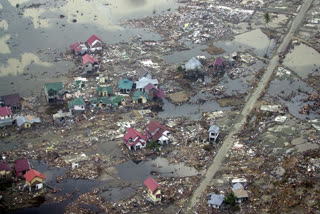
<point>215,199</point>
<point>214,129</point>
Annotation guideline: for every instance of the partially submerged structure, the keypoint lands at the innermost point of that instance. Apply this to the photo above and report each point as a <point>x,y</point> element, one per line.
<point>154,192</point>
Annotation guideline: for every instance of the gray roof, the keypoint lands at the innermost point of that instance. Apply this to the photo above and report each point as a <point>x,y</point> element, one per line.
<point>215,199</point>
<point>144,81</point>
<point>237,186</point>
<point>193,64</point>
<point>21,120</point>
<point>214,129</point>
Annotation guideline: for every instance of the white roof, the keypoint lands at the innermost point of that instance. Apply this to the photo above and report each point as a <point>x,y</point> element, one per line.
<point>239,180</point>
<point>144,81</point>
<point>193,64</point>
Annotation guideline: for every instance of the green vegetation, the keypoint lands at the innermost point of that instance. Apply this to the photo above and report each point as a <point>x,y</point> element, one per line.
<point>153,145</point>
<point>179,68</point>
<point>230,199</point>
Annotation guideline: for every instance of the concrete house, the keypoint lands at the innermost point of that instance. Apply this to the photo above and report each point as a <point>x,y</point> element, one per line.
<point>154,192</point>
<point>90,64</point>
<point>77,105</point>
<point>54,92</point>
<point>215,200</point>
<point>5,116</point>
<point>79,48</point>
<point>21,167</point>
<point>94,43</point>
<point>125,86</point>
<point>213,133</point>
<point>104,91</point>
<point>240,193</point>
<point>139,97</point>
<point>34,179</point>
<point>12,100</point>
<point>134,139</point>
<point>157,132</point>
<point>26,121</point>
<point>144,81</point>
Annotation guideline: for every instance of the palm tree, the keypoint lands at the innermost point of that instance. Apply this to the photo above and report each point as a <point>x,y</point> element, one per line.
<point>267,20</point>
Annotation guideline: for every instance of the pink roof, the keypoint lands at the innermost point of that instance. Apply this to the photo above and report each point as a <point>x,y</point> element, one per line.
<point>92,39</point>
<point>5,111</point>
<point>132,133</point>
<point>87,58</point>
<point>74,45</point>
<point>152,185</point>
<point>5,167</point>
<point>152,127</point>
<point>219,61</point>
<point>21,165</point>
<point>31,174</point>
<point>150,86</point>
<point>160,93</point>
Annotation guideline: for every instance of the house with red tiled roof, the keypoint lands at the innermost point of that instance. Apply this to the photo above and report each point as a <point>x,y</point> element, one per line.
<point>89,63</point>
<point>94,43</point>
<point>157,132</point>
<point>5,116</point>
<point>154,92</point>
<point>21,167</point>
<point>154,192</point>
<point>79,48</point>
<point>134,139</point>
<point>34,179</point>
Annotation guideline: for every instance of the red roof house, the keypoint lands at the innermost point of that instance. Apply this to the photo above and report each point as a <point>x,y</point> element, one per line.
<point>154,92</point>
<point>21,166</point>
<point>94,43</point>
<point>32,175</point>
<point>157,132</point>
<point>88,59</point>
<point>134,139</point>
<point>78,48</point>
<point>154,191</point>
<point>5,112</point>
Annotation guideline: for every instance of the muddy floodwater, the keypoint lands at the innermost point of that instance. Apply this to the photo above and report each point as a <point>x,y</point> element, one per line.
<point>33,33</point>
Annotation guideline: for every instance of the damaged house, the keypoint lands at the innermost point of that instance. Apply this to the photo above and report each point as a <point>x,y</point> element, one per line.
<point>54,92</point>
<point>77,105</point>
<point>34,179</point>
<point>5,116</point>
<point>154,192</point>
<point>79,48</point>
<point>26,121</point>
<point>94,43</point>
<point>134,139</point>
<point>144,81</point>
<point>158,133</point>
<point>90,64</point>
<point>12,100</point>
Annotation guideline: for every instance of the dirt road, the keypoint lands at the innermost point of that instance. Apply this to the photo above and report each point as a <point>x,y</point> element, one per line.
<point>228,141</point>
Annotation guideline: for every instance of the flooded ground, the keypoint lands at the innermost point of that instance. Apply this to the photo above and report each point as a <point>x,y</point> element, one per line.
<point>133,172</point>
<point>307,65</point>
<point>37,26</point>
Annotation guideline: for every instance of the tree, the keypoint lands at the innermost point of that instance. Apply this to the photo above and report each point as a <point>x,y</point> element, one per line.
<point>267,20</point>
<point>230,199</point>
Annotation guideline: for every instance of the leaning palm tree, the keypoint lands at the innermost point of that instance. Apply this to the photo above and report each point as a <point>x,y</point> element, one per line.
<point>267,20</point>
